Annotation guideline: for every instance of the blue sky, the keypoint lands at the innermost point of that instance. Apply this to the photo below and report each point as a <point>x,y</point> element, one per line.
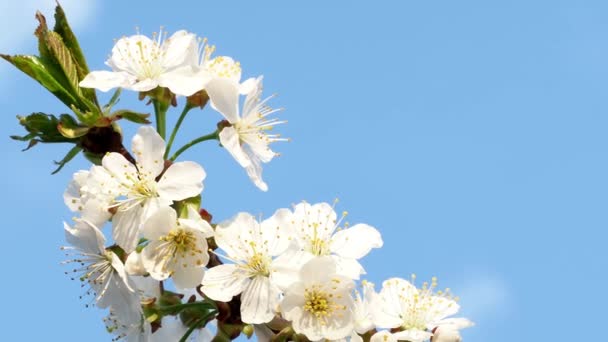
<point>472,134</point>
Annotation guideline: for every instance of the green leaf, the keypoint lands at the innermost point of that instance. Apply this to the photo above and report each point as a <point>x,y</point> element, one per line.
<point>64,59</point>
<point>69,156</point>
<point>62,27</point>
<point>113,100</point>
<point>36,69</point>
<point>140,118</point>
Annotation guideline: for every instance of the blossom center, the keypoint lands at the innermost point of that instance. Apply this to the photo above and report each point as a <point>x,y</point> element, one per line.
<point>318,247</point>
<point>319,303</point>
<point>258,264</point>
<point>181,240</point>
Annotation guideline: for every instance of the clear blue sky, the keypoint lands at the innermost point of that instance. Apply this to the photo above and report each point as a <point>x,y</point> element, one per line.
<point>472,134</point>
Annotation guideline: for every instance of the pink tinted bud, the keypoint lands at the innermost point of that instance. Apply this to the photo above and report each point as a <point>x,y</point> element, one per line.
<point>446,334</point>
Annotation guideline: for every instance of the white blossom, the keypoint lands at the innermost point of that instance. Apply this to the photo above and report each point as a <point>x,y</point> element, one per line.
<point>100,270</point>
<point>320,304</point>
<point>177,247</point>
<point>246,139</point>
<point>415,312</point>
<point>133,191</point>
<point>251,245</point>
<point>139,63</point>
<point>317,233</point>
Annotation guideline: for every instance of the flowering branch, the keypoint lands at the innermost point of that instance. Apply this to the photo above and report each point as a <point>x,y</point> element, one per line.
<point>293,276</point>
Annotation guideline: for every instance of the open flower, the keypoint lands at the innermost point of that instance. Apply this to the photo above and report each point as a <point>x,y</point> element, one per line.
<point>139,63</point>
<point>100,270</point>
<point>317,233</point>
<point>320,303</point>
<point>251,246</point>
<point>415,312</point>
<point>246,139</point>
<point>133,190</point>
<point>177,248</point>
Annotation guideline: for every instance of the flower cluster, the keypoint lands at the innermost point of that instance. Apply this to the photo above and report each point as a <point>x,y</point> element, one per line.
<point>168,270</point>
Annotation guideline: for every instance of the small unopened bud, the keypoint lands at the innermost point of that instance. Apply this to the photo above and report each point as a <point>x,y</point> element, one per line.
<point>198,99</point>
<point>248,330</point>
<point>446,334</point>
<point>134,265</point>
<point>205,215</point>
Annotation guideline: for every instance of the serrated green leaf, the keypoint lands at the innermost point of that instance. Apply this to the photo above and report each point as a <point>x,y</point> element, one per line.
<point>64,59</point>
<point>140,118</point>
<point>36,69</point>
<point>69,156</point>
<point>62,27</point>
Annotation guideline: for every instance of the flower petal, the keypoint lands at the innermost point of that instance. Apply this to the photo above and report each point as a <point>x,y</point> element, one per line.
<point>224,282</point>
<point>259,301</point>
<point>224,97</point>
<point>149,149</point>
<point>180,49</point>
<point>185,80</point>
<point>106,80</point>
<point>355,242</point>
<point>160,223</point>
<point>229,138</point>
<point>119,168</point>
<point>187,277</point>
<point>181,180</point>
<point>85,237</point>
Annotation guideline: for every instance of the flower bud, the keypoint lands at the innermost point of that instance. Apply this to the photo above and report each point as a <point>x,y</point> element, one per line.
<point>446,334</point>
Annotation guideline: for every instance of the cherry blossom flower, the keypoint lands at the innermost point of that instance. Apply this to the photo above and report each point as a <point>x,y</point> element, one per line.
<point>317,233</point>
<point>134,192</point>
<point>139,63</point>
<point>177,247</point>
<point>415,312</point>
<point>246,139</point>
<point>250,245</point>
<point>319,304</point>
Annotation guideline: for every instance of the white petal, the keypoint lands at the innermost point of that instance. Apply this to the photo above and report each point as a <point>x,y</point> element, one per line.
<point>248,85</point>
<point>160,223</point>
<point>72,195</point>
<point>188,277</point>
<point>286,267</point>
<point>254,171</point>
<point>455,323</point>
<point>229,138</point>
<point>85,237</point>
<point>106,80</point>
<point>126,226</point>
<point>96,212</point>
<point>155,261</point>
<point>134,265</point>
<point>224,97</point>
<point>143,85</point>
<point>253,95</point>
<point>276,231</point>
<point>120,168</point>
<point>180,49</point>
<point>234,235</point>
<point>184,81</point>
<point>318,270</point>
<point>355,242</point>
<point>412,335</point>
<point>224,282</point>
<point>149,149</point>
<point>181,180</point>
<point>258,301</point>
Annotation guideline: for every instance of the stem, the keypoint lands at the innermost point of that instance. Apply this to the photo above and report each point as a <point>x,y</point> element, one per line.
<point>211,136</point>
<point>160,111</point>
<point>186,305</point>
<point>176,128</point>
